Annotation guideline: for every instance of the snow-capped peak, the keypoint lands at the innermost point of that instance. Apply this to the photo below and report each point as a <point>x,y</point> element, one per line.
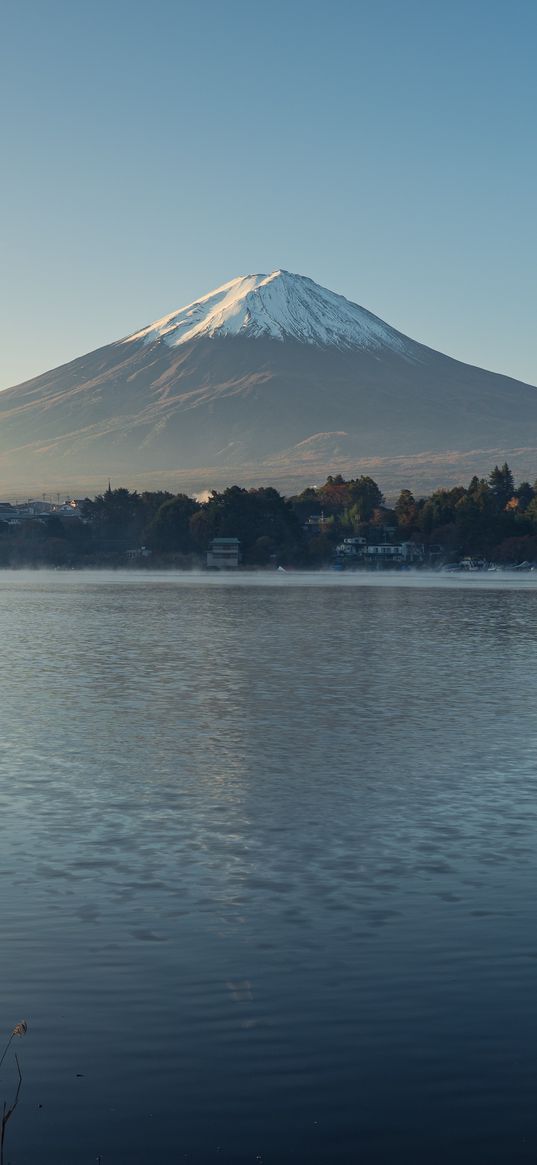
<point>281,306</point>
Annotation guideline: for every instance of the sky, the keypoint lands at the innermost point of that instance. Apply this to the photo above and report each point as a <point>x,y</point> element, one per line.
<point>154,151</point>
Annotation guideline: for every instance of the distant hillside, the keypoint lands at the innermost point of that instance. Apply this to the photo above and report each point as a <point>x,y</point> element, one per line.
<point>269,378</point>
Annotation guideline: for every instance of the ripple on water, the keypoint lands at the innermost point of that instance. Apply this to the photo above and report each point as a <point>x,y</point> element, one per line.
<point>268,868</point>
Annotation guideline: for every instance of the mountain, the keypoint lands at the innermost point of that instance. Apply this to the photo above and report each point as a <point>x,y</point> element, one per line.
<point>269,378</point>
<point>281,306</point>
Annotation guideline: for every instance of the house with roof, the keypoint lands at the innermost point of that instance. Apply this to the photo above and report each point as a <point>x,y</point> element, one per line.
<point>224,554</point>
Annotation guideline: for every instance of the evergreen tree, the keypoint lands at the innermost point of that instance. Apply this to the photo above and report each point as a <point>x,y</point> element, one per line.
<point>170,531</point>
<point>502,484</point>
<point>525,495</point>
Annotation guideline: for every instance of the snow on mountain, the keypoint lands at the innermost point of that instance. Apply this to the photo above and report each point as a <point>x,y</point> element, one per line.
<point>281,306</point>
<point>315,385</point>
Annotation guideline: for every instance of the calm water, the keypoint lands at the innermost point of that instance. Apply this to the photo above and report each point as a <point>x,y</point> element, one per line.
<point>268,866</point>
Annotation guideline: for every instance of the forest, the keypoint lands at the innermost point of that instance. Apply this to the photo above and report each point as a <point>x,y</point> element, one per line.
<point>491,518</point>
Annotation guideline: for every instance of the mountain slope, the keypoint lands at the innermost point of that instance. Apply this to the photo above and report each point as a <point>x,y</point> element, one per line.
<point>267,378</point>
<point>281,306</point>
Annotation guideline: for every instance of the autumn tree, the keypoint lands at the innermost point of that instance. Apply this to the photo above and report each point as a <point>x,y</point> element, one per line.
<point>406,509</point>
<point>365,497</point>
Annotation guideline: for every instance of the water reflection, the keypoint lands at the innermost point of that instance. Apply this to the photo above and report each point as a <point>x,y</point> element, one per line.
<point>267,868</point>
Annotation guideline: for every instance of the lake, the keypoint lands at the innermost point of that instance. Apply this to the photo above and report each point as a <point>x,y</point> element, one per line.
<point>268,861</point>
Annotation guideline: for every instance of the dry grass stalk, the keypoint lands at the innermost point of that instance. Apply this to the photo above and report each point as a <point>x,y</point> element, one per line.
<point>20,1029</point>
<point>7,1112</point>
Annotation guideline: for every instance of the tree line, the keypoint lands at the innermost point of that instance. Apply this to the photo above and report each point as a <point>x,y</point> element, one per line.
<point>491,517</point>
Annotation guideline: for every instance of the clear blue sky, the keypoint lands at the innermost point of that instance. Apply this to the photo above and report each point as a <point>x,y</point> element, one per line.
<point>152,151</point>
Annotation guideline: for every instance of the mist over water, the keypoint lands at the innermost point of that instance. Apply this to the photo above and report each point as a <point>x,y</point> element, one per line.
<point>267,867</point>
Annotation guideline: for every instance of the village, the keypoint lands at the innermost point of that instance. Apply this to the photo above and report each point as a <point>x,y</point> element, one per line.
<point>341,525</point>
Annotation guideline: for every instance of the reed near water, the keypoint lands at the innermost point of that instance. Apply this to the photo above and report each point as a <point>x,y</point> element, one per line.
<point>19,1030</point>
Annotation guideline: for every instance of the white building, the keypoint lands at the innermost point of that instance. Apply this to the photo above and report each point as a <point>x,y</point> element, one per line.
<point>395,552</point>
<point>352,547</point>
